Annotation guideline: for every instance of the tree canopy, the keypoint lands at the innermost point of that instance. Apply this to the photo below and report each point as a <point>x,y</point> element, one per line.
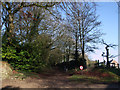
<point>42,34</point>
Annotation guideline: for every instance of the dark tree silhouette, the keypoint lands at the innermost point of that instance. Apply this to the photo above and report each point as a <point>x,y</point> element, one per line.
<point>107,51</point>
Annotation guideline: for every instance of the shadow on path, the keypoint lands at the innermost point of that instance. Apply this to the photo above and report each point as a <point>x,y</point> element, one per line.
<point>10,88</point>
<point>114,86</point>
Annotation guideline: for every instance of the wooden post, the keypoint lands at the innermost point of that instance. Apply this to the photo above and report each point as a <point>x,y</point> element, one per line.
<point>118,66</point>
<point>98,63</point>
<point>114,65</point>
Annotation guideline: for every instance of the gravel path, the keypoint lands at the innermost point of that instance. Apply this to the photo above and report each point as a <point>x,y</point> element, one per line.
<point>56,80</point>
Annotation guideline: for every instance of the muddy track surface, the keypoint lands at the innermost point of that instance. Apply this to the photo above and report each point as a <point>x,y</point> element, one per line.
<point>51,80</point>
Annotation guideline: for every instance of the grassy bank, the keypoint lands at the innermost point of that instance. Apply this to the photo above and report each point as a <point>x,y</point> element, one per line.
<point>97,75</point>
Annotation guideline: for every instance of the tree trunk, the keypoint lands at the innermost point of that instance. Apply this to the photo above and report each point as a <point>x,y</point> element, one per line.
<point>107,51</point>
<point>10,28</point>
<point>83,52</point>
<point>76,50</point>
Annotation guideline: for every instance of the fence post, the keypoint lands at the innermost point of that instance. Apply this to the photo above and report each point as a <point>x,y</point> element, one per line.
<point>98,63</point>
<point>118,66</point>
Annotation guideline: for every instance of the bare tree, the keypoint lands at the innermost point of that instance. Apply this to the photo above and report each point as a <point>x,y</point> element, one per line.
<point>11,8</point>
<point>107,51</point>
<point>83,21</point>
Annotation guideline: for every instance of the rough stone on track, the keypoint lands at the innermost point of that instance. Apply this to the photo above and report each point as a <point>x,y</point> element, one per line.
<point>5,70</point>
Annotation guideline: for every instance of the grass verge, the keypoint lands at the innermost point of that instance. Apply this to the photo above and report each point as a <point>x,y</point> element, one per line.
<point>98,76</point>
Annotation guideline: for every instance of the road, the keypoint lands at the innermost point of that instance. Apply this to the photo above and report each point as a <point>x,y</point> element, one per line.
<point>52,80</point>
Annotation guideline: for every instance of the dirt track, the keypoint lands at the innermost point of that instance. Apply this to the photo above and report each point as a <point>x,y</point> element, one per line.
<point>56,80</point>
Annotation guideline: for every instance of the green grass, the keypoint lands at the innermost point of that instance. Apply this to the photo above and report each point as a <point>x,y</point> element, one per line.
<point>108,70</point>
<point>24,75</point>
<point>77,77</point>
<point>83,78</point>
<point>114,73</point>
<point>89,79</point>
